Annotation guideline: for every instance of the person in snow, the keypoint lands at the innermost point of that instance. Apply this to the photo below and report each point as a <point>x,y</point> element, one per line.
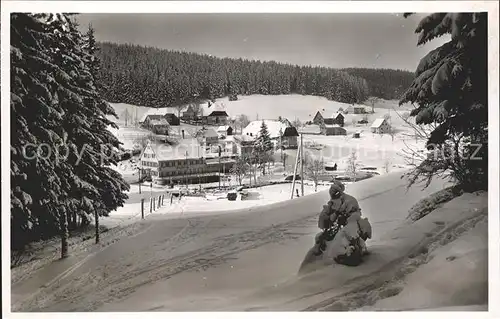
<point>340,205</point>
<point>340,208</point>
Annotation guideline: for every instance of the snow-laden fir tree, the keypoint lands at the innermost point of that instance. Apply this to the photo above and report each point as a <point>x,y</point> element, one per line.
<point>450,90</point>
<point>93,184</point>
<point>263,147</point>
<point>109,183</point>
<point>35,119</point>
<point>55,103</point>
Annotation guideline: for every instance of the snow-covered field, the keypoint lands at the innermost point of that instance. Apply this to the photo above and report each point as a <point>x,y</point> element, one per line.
<point>293,106</point>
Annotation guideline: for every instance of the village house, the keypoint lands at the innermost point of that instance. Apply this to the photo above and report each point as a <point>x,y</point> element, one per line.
<point>355,109</point>
<point>289,138</point>
<point>380,126</point>
<point>244,144</point>
<point>337,118</point>
<point>172,119</point>
<point>157,124</point>
<point>185,162</point>
<point>274,127</point>
<point>333,130</point>
<point>216,118</point>
<point>189,114</point>
<point>225,130</point>
<point>318,118</point>
<point>209,136</point>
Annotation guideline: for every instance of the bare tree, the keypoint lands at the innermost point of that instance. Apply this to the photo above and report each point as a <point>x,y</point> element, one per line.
<point>314,168</point>
<point>243,121</point>
<point>387,165</point>
<point>372,101</point>
<point>352,166</point>
<point>240,169</point>
<point>179,108</point>
<point>297,123</point>
<point>392,133</point>
<point>197,109</point>
<point>126,115</point>
<point>142,141</point>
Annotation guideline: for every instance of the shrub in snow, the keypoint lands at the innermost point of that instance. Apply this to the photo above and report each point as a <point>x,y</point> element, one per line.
<point>427,205</point>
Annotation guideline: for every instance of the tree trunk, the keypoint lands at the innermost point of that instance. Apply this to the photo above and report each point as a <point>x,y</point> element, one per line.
<point>96,227</point>
<point>63,221</point>
<point>315,186</point>
<point>74,224</point>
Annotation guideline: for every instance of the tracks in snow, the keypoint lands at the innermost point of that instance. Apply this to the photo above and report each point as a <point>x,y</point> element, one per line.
<point>389,282</point>
<point>115,279</point>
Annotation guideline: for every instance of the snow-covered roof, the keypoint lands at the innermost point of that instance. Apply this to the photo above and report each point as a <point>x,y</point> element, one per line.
<point>332,125</point>
<point>310,129</point>
<point>273,128</point>
<point>218,113</point>
<point>378,122</point>
<point>210,133</point>
<point>243,138</point>
<point>336,114</point>
<point>223,128</point>
<point>161,111</point>
<point>186,148</point>
<point>160,121</point>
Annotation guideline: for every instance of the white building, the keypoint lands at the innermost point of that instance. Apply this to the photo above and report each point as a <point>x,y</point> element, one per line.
<point>380,126</point>
<point>274,128</point>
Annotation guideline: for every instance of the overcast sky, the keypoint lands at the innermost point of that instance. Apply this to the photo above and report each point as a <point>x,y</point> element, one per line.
<point>336,40</point>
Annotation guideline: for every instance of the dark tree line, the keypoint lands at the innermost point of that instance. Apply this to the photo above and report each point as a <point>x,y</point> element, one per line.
<point>60,147</point>
<point>157,78</point>
<point>384,83</point>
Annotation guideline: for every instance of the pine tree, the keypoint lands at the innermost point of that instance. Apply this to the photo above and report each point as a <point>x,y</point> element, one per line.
<point>450,90</point>
<point>96,188</point>
<point>55,103</point>
<point>263,146</point>
<point>36,188</point>
<point>109,183</point>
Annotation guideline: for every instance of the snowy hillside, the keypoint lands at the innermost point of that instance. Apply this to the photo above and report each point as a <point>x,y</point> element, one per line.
<point>302,107</point>
<point>248,260</point>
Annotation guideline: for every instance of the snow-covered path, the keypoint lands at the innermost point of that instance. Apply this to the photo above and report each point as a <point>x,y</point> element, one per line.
<point>229,261</point>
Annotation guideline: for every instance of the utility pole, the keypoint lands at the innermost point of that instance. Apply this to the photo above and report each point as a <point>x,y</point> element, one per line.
<point>136,117</point>
<point>219,165</point>
<point>281,147</point>
<point>302,165</point>
<point>295,171</point>
<point>140,182</point>
<point>185,171</point>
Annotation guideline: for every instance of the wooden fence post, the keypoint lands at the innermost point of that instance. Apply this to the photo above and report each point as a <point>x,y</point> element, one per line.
<point>142,208</point>
<point>154,203</point>
<point>159,201</point>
